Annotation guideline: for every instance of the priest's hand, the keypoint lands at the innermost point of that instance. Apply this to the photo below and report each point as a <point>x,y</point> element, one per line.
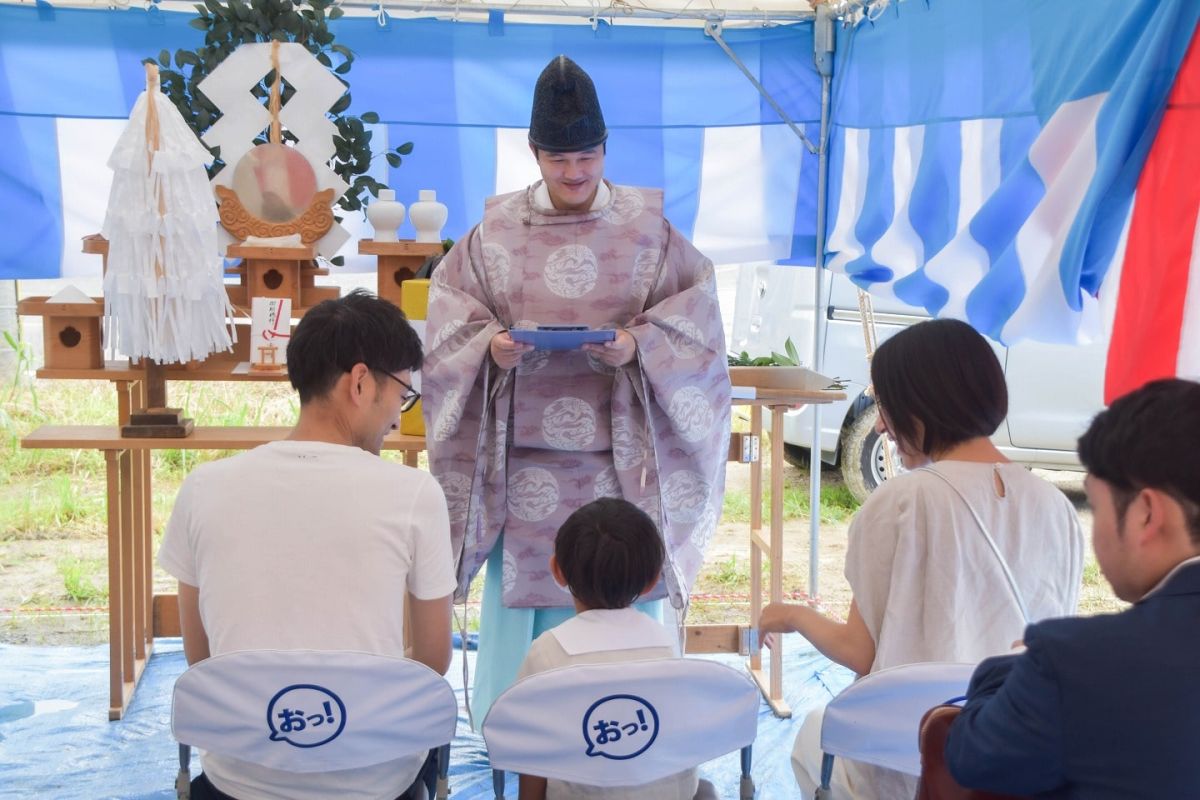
<point>617,353</point>
<point>506,352</point>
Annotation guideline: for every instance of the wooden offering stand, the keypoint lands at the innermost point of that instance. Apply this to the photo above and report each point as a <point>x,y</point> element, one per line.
<point>397,262</point>
<point>156,420</point>
<point>289,272</point>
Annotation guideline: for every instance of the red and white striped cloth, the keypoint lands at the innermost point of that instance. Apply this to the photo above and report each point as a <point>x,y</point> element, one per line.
<point>1156,324</point>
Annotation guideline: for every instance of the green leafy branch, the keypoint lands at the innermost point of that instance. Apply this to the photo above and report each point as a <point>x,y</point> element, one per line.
<point>791,359</point>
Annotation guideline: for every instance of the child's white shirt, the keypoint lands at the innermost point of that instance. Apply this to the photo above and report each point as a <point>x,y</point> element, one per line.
<point>603,636</point>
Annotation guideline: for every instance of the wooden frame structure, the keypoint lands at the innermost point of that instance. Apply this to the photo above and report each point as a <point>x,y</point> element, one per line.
<point>136,615</point>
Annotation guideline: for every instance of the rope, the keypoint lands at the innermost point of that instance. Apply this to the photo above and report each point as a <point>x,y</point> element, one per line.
<point>275,136</point>
<point>152,129</point>
<point>55,610</point>
<point>151,113</point>
<point>707,597</point>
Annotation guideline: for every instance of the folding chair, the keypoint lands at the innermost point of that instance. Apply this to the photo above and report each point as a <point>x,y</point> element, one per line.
<point>622,724</point>
<point>876,719</point>
<point>312,711</point>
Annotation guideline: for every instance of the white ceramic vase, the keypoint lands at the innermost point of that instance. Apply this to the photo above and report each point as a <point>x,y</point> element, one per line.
<point>386,215</point>
<point>428,216</point>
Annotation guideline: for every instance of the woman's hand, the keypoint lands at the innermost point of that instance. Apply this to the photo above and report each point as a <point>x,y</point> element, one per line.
<point>848,643</point>
<point>506,352</point>
<point>777,618</point>
<point>617,353</point>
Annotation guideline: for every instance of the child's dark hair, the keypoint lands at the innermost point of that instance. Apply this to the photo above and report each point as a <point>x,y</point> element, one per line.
<point>609,551</point>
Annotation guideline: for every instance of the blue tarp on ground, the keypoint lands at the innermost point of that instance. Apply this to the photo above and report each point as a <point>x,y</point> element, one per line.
<point>56,740</point>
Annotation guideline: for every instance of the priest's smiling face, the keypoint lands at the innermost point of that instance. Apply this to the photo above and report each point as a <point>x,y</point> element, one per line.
<point>572,178</point>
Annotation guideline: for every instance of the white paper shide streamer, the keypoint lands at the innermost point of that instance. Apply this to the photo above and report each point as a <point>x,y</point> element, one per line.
<point>164,294</point>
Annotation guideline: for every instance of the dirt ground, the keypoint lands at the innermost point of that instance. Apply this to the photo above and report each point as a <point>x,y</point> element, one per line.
<point>34,607</point>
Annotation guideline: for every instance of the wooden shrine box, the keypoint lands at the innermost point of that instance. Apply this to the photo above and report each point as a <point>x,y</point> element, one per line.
<point>397,262</point>
<point>270,272</point>
<point>278,272</point>
<point>70,332</point>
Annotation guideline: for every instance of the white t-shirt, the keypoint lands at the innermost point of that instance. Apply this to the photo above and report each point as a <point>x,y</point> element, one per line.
<point>602,636</point>
<point>930,588</point>
<point>309,545</point>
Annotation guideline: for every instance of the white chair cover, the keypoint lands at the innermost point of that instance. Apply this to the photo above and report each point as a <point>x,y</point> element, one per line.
<point>312,711</point>
<point>621,724</point>
<point>876,719</point>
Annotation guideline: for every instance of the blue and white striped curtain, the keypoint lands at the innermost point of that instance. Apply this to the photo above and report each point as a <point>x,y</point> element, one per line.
<point>681,115</point>
<point>984,155</point>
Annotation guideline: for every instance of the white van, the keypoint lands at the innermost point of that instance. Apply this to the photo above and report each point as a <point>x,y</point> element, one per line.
<point>1053,390</point>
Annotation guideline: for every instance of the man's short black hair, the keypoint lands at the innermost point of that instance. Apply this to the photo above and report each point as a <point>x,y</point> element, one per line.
<point>609,551</point>
<point>334,335</point>
<point>1148,439</point>
<point>944,375</point>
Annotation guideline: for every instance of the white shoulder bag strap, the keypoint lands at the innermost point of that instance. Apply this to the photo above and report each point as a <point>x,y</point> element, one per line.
<point>1012,583</point>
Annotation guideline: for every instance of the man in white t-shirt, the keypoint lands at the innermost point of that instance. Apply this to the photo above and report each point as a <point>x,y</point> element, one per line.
<point>313,542</point>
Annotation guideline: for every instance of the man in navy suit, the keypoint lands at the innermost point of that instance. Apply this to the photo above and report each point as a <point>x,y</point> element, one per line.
<point>1109,706</point>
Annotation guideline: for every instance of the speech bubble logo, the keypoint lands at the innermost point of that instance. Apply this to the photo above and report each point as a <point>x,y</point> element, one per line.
<point>305,715</point>
<point>620,726</point>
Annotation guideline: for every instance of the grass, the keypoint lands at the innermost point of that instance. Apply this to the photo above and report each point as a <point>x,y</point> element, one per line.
<point>54,500</point>
<point>42,506</point>
<point>837,504</point>
<point>732,573</point>
<point>79,580</point>
<point>1096,595</point>
<point>60,495</point>
<point>48,491</point>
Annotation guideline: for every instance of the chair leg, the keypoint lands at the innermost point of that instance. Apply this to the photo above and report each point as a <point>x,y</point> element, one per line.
<point>183,780</point>
<point>824,792</point>
<point>428,775</point>
<point>443,775</point>
<point>498,783</point>
<point>746,791</point>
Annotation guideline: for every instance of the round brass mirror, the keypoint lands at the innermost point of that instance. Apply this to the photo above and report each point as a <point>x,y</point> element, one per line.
<point>274,182</point>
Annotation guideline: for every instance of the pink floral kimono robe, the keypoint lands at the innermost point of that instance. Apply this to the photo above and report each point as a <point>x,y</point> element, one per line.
<point>517,451</point>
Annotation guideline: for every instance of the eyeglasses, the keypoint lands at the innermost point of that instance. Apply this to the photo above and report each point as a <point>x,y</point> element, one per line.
<point>410,399</point>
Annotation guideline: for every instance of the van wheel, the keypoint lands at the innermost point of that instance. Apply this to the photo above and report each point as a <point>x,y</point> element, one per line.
<point>862,456</point>
<point>797,456</point>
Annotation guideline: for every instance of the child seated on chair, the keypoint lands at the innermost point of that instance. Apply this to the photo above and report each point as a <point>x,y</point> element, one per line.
<point>606,555</point>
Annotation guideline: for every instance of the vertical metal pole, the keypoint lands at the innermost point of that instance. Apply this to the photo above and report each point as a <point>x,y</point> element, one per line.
<point>9,320</point>
<point>823,46</point>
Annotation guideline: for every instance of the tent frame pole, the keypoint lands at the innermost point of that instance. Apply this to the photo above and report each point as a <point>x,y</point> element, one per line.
<point>823,48</point>
<point>712,29</point>
<point>610,12</point>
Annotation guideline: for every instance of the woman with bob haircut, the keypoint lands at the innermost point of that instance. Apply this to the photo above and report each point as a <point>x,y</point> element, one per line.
<point>949,560</point>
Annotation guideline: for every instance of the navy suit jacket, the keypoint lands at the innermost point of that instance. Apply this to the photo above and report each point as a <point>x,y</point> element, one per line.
<point>1097,707</point>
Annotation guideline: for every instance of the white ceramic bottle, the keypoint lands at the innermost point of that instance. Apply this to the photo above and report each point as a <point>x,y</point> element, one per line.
<point>428,216</point>
<point>386,215</point>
